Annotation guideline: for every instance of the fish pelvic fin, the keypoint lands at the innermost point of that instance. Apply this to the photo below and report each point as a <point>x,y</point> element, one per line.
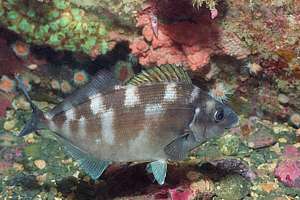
<point>159,170</point>
<point>35,123</point>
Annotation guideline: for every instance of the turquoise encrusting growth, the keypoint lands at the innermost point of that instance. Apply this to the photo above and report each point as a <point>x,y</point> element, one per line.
<point>58,24</point>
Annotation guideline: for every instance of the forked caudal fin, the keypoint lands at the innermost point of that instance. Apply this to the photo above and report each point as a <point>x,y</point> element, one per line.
<point>88,163</point>
<point>34,123</point>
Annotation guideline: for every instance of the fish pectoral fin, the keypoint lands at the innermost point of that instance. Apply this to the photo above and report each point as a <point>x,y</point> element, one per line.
<point>159,170</point>
<point>178,149</point>
<point>92,166</point>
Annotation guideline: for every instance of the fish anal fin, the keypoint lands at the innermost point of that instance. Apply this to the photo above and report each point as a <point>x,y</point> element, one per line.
<point>92,166</point>
<point>159,170</point>
<point>163,73</point>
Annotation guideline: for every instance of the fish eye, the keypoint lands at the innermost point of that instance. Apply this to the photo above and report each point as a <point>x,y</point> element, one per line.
<point>219,115</point>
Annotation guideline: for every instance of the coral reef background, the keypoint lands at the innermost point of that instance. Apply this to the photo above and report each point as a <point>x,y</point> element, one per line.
<point>244,53</point>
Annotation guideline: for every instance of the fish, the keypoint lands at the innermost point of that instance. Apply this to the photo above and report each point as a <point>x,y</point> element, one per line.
<point>154,24</point>
<point>157,116</point>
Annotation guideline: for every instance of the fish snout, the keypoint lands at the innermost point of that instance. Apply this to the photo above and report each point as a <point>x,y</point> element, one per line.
<point>233,120</point>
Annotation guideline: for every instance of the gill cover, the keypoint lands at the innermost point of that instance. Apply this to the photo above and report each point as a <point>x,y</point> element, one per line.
<point>211,118</point>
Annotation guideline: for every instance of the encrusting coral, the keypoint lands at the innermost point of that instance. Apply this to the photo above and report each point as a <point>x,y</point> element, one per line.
<point>125,11</point>
<point>72,25</point>
<point>172,44</point>
<point>169,42</point>
<point>121,11</point>
<point>269,29</point>
<point>208,3</point>
<point>58,24</point>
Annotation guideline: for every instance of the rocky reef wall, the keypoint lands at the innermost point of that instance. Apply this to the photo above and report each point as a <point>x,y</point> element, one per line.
<point>243,53</point>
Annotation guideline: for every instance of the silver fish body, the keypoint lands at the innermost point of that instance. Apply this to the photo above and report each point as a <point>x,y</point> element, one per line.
<point>158,115</point>
<point>130,123</point>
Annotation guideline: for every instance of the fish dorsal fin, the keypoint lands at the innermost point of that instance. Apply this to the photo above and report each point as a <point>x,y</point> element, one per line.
<point>102,82</point>
<point>92,166</point>
<point>163,73</point>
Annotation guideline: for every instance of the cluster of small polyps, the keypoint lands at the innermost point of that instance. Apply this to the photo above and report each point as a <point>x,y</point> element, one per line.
<point>80,78</point>
<point>56,23</point>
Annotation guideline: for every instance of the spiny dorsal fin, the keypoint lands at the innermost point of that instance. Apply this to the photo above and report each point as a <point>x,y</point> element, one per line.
<point>102,82</point>
<point>92,166</point>
<point>163,73</point>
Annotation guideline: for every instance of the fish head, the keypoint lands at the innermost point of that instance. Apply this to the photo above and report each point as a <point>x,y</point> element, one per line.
<point>211,118</point>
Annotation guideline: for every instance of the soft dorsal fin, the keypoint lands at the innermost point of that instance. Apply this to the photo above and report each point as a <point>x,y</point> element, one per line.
<point>102,82</point>
<point>92,166</point>
<point>163,73</point>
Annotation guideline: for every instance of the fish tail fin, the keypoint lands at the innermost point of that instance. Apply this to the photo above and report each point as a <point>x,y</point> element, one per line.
<point>35,123</point>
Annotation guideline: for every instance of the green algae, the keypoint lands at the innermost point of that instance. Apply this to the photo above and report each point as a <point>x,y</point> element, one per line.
<point>232,187</point>
<point>33,150</point>
<point>229,145</point>
<point>25,184</point>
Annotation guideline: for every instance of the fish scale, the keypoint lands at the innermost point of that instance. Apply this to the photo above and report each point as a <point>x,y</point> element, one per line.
<point>128,123</point>
<point>158,115</point>
<point>149,94</point>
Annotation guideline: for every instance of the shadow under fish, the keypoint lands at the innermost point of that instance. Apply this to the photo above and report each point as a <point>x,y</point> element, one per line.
<point>158,115</point>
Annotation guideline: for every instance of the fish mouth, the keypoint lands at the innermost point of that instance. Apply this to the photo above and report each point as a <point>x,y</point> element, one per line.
<point>234,122</point>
